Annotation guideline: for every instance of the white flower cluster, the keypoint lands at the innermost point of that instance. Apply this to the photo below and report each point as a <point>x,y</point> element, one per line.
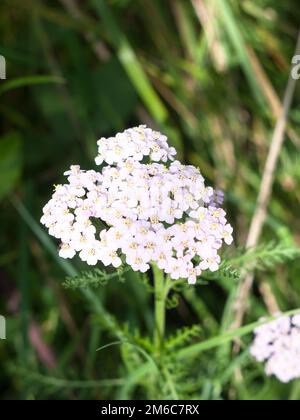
<point>278,344</point>
<point>140,208</point>
<point>135,143</point>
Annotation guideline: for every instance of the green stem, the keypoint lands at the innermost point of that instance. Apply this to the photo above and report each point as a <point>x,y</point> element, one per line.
<point>162,288</point>
<point>170,384</point>
<point>160,308</point>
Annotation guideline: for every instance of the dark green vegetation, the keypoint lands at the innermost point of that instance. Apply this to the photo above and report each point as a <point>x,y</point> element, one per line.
<point>213,82</point>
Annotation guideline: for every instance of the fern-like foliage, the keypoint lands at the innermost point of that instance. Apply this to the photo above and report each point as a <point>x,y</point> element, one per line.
<point>172,301</point>
<point>264,257</point>
<point>175,377</point>
<point>136,338</point>
<point>145,281</point>
<point>226,272</point>
<point>92,278</point>
<point>182,337</point>
<point>267,256</point>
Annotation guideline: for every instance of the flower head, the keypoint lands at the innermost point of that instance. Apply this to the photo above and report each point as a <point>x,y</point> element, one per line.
<point>142,207</point>
<point>278,344</point>
<point>134,143</point>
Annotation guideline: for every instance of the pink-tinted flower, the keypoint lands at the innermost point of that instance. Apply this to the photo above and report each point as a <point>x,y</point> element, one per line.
<point>277,343</point>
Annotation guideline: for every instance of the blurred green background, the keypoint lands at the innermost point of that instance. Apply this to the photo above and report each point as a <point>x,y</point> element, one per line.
<point>208,73</point>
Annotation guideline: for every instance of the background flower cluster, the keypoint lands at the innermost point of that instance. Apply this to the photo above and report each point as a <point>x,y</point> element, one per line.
<point>278,344</point>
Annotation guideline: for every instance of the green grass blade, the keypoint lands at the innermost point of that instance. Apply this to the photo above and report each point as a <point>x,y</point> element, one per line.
<point>198,348</point>
<point>44,238</point>
<point>29,81</point>
<point>131,64</point>
<point>24,289</point>
<point>236,37</point>
<point>65,383</point>
<point>66,266</point>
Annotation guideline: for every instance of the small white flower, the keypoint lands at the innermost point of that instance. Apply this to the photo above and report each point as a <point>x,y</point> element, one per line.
<point>90,253</point>
<point>278,344</point>
<point>66,251</point>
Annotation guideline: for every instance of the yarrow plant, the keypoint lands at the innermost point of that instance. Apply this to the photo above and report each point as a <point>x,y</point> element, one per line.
<point>142,207</point>
<point>278,344</point>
